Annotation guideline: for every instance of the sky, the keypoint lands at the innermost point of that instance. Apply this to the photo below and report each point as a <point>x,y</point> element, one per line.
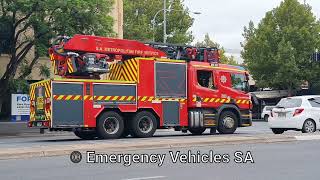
<point>224,20</point>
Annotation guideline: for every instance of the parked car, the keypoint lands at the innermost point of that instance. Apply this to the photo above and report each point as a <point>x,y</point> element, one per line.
<point>296,113</point>
<point>266,112</point>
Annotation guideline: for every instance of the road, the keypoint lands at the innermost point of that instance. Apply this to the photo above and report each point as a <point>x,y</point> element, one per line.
<point>59,138</point>
<point>294,161</point>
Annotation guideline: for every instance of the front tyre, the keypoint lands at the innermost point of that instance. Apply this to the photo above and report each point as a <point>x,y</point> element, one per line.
<point>110,125</point>
<point>309,126</point>
<point>228,123</point>
<point>143,125</point>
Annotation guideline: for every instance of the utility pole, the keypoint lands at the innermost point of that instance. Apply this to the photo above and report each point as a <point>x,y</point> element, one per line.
<point>164,21</point>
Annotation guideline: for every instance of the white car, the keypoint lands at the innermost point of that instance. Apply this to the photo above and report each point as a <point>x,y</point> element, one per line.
<point>266,112</point>
<point>296,113</point>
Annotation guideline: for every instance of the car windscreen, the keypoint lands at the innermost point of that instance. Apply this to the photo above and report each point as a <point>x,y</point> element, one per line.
<point>289,103</point>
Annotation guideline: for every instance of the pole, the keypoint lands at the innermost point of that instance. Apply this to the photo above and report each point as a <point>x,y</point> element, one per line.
<point>164,21</point>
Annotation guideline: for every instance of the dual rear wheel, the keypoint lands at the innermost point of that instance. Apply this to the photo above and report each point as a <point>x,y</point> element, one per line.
<point>111,125</point>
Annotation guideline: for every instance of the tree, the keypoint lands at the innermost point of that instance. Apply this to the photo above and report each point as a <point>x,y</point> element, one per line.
<point>207,42</point>
<point>278,51</point>
<point>27,26</point>
<point>138,16</point>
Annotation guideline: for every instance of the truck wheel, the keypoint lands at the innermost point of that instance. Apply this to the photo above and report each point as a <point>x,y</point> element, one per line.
<point>87,135</point>
<point>197,131</point>
<point>309,126</point>
<point>228,123</point>
<point>144,124</point>
<point>110,125</point>
<point>277,130</point>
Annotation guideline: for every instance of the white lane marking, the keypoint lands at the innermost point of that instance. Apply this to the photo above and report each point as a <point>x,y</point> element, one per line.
<point>308,138</point>
<point>143,178</point>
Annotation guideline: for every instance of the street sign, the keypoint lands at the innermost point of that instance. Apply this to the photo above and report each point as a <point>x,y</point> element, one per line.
<point>20,107</point>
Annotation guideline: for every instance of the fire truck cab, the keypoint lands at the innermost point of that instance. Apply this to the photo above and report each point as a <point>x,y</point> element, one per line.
<point>142,94</point>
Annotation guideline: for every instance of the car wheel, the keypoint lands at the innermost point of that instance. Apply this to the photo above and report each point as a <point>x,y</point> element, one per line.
<point>266,117</point>
<point>110,125</point>
<point>228,123</point>
<point>309,126</point>
<point>86,135</point>
<point>143,125</point>
<point>278,130</point>
<point>197,131</point>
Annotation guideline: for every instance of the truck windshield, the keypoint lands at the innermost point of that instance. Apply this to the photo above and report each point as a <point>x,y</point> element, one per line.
<point>239,82</point>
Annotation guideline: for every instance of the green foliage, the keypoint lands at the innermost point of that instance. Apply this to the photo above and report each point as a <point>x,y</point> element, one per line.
<point>207,42</point>
<point>277,52</point>
<point>26,26</point>
<point>18,85</point>
<point>138,16</point>
<point>44,71</point>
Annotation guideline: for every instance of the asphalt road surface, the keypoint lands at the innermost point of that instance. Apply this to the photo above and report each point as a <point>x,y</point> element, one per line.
<point>58,138</point>
<point>62,138</point>
<point>295,161</point>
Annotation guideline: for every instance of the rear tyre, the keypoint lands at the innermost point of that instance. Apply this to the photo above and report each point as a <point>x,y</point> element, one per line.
<point>143,125</point>
<point>266,117</point>
<point>228,123</point>
<point>197,131</point>
<point>86,135</point>
<point>277,130</point>
<point>309,126</point>
<point>110,125</point>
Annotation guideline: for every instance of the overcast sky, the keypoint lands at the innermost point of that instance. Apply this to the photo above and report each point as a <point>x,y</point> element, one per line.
<point>224,19</point>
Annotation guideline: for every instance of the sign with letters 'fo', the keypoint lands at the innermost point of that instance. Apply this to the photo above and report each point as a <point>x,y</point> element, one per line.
<point>20,107</point>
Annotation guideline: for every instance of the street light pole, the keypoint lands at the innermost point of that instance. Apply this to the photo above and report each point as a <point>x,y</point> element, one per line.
<point>153,21</point>
<point>164,21</point>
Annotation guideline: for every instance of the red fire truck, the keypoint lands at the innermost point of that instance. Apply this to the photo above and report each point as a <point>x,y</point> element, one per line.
<point>110,88</point>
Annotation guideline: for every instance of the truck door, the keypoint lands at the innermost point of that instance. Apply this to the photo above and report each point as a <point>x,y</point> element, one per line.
<point>205,88</point>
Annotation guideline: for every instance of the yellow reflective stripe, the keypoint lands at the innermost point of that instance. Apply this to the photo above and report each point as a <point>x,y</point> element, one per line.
<point>194,99</point>
<point>100,98</point>
<point>222,100</point>
<point>228,100</point>
<point>144,98</point>
<point>122,98</point>
<point>129,98</point>
<point>77,97</point>
<point>150,99</point>
<point>60,97</point>
<point>212,99</point>
<point>244,101</point>
<point>115,98</point>
<point>206,99</point>
<point>107,98</point>
<point>217,100</point>
<point>68,97</point>
<point>238,101</point>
